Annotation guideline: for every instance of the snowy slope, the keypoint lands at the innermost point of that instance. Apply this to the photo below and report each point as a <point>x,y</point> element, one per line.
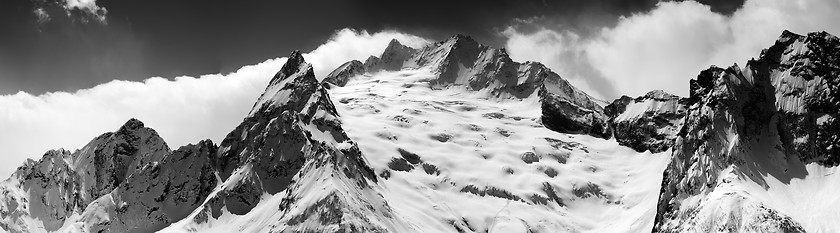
<point>463,62</point>
<point>452,161</point>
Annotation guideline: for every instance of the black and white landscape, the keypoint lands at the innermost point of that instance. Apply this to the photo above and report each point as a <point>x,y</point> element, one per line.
<point>401,133</point>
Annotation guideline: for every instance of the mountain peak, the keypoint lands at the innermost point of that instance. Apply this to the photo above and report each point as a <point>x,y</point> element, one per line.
<point>294,64</point>
<point>462,37</point>
<point>659,94</point>
<point>391,59</point>
<point>394,42</point>
<point>395,46</point>
<point>787,35</point>
<point>460,42</point>
<point>132,124</point>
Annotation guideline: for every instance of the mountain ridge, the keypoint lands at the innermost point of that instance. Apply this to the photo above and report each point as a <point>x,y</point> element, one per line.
<point>743,138</point>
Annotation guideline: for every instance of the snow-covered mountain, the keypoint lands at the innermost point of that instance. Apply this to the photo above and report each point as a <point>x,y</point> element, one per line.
<point>757,152</point>
<point>53,192</point>
<point>461,61</point>
<point>455,136</point>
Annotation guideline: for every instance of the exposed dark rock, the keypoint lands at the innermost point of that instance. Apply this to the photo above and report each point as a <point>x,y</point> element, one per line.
<point>431,169</point>
<point>530,157</point>
<point>400,164</point>
<point>410,157</point>
<point>651,122</point>
<point>441,137</point>
<point>391,59</point>
<point>564,115</point>
<point>490,191</point>
<point>550,172</point>
<point>177,185</point>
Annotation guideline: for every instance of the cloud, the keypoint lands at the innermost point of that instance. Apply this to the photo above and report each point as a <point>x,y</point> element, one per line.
<point>562,51</point>
<point>86,9</point>
<point>184,110</point>
<point>348,44</point>
<point>41,15</point>
<point>670,44</point>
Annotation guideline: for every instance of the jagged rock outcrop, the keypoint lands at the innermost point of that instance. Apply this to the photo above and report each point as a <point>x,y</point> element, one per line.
<point>805,71</point>
<point>566,109</point>
<point>647,123</point>
<point>104,163</point>
<point>747,123</point>
<point>24,195</point>
<point>343,73</point>
<point>159,194</point>
<point>48,192</point>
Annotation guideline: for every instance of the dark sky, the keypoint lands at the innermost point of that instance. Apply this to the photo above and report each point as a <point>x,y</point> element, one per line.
<point>145,38</point>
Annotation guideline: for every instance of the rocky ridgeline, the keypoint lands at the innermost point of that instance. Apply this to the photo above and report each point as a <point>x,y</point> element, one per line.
<point>48,192</point>
<point>129,180</point>
<point>785,101</point>
<point>461,61</point>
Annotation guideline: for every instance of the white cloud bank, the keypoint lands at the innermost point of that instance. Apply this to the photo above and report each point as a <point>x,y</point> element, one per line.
<point>184,110</point>
<point>667,46</point>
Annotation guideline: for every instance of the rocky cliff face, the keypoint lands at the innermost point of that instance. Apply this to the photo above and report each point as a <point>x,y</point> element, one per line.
<point>746,124</point>
<point>804,71</point>
<point>47,193</point>
<point>391,59</point>
<point>647,123</point>
<point>159,194</point>
<point>104,163</point>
